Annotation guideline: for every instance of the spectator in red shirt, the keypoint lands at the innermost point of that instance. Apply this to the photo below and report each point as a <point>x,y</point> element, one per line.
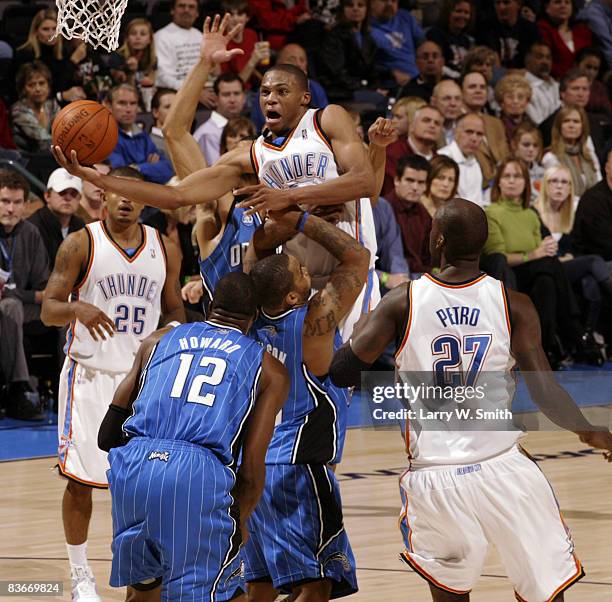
<point>256,54</point>
<point>410,183</point>
<point>423,134</point>
<point>276,20</point>
<point>564,37</point>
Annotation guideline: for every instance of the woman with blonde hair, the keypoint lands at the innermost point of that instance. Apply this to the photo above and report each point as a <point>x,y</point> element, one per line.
<point>590,274</point>
<point>42,46</point>
<point>442,183</point>
<point>135,62</point>
<point>568,147</point>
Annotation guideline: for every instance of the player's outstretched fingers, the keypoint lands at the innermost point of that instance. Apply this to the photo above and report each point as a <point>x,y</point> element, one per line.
<point>108,325</point>
<point>215,24</point>
<point>59,156</point>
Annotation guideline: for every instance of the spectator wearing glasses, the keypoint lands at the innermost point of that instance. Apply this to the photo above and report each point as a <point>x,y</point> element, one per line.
<point>591,274</point>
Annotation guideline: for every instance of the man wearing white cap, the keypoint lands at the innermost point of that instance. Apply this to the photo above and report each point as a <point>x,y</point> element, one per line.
<point>57,219</point>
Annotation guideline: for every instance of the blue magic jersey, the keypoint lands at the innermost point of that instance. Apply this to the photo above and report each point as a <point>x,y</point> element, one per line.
<point>199,385</point>
<point>313,420</point>
<point>228,254</point>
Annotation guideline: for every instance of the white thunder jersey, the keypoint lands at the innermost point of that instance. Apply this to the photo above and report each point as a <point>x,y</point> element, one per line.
<point>303,159</point>
<point>127,289</point>
<point>458,328</point>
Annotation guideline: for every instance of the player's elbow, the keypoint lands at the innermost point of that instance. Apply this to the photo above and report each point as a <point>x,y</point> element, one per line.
<point>173,132</point>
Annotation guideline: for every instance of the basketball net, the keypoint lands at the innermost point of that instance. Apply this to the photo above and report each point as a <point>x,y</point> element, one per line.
<point>96,22</point>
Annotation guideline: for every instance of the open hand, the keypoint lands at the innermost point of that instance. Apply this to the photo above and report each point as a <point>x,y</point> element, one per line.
<point>95,320</point>
<point>75,168</point>
<point>215,38</point>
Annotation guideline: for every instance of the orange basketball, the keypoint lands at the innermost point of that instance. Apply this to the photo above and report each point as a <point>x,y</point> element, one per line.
<point>87,127</point>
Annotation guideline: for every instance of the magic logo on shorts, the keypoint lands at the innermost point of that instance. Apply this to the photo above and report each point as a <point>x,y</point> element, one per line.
<point>341,558</point>
<point>159,455</point>
<point>237,572</point>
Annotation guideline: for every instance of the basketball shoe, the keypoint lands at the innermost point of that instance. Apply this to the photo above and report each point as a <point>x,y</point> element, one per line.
<point>84,585</point>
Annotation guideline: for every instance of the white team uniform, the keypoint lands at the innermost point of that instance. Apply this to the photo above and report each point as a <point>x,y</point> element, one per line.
<point>304,159</point>
<point>465,490</point>
<point>128,290</point>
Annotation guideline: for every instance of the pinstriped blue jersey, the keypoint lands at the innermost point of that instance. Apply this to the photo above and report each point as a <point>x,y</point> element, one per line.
<point>313,419</point>
<point>199,385</point>
<point>227,256</point>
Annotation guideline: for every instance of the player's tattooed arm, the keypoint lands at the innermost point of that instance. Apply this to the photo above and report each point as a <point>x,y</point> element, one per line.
<point>70,266</point>
<point>554,401</point>
<point>173,309</point>
<point>327,309</point>
<point>271,396</point>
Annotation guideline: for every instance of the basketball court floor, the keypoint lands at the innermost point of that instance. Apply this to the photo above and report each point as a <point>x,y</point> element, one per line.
<point>32,543</point>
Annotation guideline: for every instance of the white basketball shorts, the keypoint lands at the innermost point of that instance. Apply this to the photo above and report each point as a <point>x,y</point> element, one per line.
<point>451,515</point>
<point>84,397</point>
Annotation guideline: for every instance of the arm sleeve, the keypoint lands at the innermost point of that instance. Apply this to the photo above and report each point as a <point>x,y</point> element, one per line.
<point>111,432</point>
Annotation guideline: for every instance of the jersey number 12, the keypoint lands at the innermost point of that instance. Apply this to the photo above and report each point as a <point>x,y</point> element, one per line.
<point>212,379</point>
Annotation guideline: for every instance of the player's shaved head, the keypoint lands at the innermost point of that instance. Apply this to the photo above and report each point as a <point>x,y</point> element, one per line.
<point>126,171</point>
<point>298,75</point>
<point>463,225</point>
<point>235,295</point>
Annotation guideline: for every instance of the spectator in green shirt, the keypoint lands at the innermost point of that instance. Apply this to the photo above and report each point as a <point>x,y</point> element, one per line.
<point>533,266</point>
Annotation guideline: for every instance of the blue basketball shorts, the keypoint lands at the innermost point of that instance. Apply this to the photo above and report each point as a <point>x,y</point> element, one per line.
<point>297,532</point>
<point>174,518</point>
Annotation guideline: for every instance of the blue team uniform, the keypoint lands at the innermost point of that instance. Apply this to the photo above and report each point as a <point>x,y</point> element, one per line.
<point>297,531</point>
<point>227,256</point>
<point>173,513</point>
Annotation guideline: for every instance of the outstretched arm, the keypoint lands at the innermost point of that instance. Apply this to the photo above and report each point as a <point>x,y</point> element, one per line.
<point>204,185</point>
<point>372,335</point>
<point>184,151</point>
<point>554,401</point>
<point>356,179</point>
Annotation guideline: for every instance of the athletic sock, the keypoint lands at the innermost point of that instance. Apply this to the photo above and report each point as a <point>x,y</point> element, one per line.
<point>77,554</point>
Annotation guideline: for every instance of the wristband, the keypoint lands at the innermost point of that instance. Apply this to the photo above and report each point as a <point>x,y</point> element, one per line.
<point>384,277</point>
<point>302,221</point>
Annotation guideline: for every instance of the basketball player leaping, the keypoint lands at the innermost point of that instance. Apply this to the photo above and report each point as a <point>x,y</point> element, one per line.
<point>302,147</point>
<point>111,282</point>
<point>197,395</point>
<point>466,490</point>
<point>297,539</point>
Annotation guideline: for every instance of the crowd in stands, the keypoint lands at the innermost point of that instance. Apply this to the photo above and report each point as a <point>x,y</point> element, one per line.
<point>506,103</point>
